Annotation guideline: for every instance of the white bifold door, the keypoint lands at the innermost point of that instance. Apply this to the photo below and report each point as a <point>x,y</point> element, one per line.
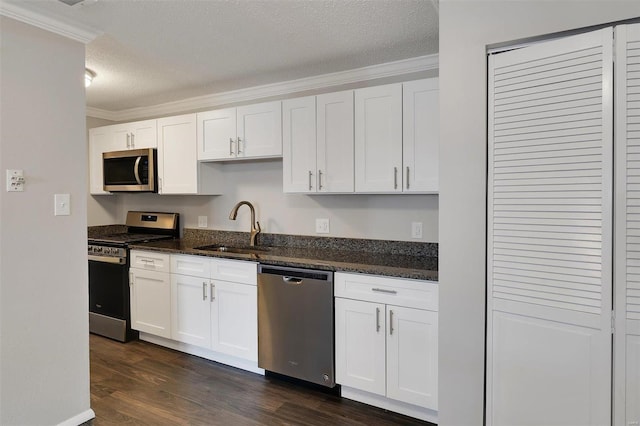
<point>550,233</point>
<point>627,227</point>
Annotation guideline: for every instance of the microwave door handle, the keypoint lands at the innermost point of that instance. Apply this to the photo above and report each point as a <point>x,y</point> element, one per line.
<point>136,166</point>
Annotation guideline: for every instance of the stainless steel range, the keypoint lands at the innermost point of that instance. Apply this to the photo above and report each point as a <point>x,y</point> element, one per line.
<point>109,301</point>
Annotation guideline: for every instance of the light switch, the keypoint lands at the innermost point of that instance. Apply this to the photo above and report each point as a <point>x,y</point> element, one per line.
<point>62,204</point>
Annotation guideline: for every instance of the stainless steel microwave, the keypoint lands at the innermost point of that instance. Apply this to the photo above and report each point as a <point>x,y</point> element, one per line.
<point>132,170</point>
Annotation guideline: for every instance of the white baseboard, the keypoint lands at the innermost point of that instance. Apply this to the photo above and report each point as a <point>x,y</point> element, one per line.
<point>233,361</point>
<point>390,404</point>
<point>76,420</point>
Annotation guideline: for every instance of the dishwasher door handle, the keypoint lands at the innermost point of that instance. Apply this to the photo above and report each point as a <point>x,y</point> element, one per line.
<point>292,280</point>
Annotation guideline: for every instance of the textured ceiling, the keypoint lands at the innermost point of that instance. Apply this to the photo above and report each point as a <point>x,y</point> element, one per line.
<point>159,51</point>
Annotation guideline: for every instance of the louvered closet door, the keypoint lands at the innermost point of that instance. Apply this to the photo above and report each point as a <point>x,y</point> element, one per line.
<point>550,233</point>
<point>627,227</point>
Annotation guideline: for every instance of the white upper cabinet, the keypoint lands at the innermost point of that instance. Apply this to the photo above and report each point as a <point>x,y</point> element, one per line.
<point>135,135</point>
<point>100,140</point>
<point>299,145</point>
<point>259,130</point>
<point>318,144</point>
<point>335,142</point>
<point>177,162</point>
<point>397,137</point>
<point>420,135</point>
<point>378,139</point>
<point>252,131</point>
<point>217,134</point>
<point>179,171</point>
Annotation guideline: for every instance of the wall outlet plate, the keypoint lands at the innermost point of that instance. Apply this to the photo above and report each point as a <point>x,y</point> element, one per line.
<point>416,229</point>
<point>202,221</point>
<point>15,180</point>
<point>322,226</point>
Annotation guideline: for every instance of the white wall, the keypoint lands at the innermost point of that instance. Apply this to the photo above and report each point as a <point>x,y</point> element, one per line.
<point>353,216</point>
<point>44,355</point>
<point>466,27</point>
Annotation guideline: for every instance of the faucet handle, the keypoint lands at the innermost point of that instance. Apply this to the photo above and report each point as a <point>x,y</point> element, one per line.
<point>258,226</point>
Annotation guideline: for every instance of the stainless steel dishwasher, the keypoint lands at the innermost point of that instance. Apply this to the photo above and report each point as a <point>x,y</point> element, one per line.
<point>295,323</point>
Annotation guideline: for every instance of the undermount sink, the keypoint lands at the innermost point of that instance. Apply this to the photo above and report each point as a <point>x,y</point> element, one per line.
<point>233,249</point>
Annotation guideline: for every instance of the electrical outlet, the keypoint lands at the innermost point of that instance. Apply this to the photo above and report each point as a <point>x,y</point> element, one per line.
<point>322,226</point>
<point>15,181</point>
<point>416,229</point>
<point>202,221</point>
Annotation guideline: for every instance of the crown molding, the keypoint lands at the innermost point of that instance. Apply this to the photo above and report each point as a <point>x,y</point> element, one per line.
<point>38,19</point>
<point>358,75</point>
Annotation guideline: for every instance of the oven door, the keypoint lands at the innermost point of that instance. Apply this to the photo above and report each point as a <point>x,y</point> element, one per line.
<point>109,287</point>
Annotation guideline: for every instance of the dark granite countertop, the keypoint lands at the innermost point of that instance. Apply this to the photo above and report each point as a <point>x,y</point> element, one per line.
<point>404,260</point>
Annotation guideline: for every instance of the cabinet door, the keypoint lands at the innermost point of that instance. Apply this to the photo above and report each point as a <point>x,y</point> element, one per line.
<point>190,310</point>
<point>360,345</point>
<point>259,130</point>
<point>234,319</point>
<point>335,142</point>
<point>378,139</point>
<point>144,134</point>
<point>121,136</point>
<point>299,145</point>
<point>150,302</point>
<point>217,134</point>
<point>177,158</point>
<point>100,140</point>
<point>412,356</point>
<point>420,135</point>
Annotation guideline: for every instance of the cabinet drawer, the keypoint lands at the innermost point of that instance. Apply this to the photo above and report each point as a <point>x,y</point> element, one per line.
<point>150,261</point>
<point>237,271</point>
<point>195,266</point>
<point>395,291</point>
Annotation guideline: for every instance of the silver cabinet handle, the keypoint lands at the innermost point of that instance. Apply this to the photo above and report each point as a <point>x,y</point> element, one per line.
<point>231,147</point>
<point>395,178</point>
<point>238,148</point>
<point>147,260</point>
<point>319,179</point>
<point>407,177</point>
<point>390,322</point>
<point>204,290</point>
<point>160,184</point>
<point>211,290</point>
<point>128,140</point>
<point>133,140</point>
<point>383,290</point>
<point>377,320</point>
<point>310,174</point>
<point>130,279</point>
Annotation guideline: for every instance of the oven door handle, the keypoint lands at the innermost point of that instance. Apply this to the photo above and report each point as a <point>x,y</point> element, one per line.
<point>108,259</point>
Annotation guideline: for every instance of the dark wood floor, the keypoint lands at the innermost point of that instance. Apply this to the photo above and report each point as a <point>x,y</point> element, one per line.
<point>139,383</point>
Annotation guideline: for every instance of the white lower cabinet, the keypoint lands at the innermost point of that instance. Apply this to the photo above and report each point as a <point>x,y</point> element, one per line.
<point>191,310</point>
<point>234,319</point>
<point>214,304</point>
<point>387,342</point>
<point>199,305</point>
<point>150,291</point>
